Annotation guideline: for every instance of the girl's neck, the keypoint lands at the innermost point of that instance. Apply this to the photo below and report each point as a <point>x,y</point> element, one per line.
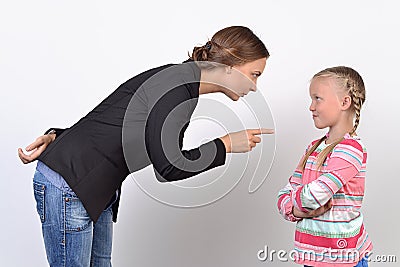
<point>338,131</point>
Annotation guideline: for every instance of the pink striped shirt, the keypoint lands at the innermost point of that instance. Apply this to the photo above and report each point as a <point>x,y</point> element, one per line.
<point>337,237</point>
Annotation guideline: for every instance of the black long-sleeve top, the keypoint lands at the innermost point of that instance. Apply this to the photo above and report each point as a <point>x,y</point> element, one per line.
<point>142,122</point>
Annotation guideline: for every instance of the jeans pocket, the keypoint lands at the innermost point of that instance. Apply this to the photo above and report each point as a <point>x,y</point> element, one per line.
<point>76,217</point>
<point>39,192</point>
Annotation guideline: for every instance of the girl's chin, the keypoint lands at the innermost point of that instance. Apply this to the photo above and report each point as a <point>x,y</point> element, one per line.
<point>319,126</point>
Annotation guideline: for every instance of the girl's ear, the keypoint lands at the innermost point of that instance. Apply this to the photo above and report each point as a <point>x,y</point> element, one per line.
<point>346,102</point>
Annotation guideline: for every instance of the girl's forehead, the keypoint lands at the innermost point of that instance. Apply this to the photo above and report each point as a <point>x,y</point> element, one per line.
<point>322,84</point>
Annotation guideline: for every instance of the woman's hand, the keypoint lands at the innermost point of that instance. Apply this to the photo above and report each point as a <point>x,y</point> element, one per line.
<point>37,147</point>
<point>243,141</point>
<point>313,213</point>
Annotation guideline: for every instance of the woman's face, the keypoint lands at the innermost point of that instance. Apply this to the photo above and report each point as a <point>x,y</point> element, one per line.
<point>242,79</point>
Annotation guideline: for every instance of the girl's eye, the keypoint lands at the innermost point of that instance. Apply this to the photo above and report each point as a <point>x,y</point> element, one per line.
<point>256,75</point>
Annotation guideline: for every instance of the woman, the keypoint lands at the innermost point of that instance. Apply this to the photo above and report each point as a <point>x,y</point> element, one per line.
<point>81,169</point>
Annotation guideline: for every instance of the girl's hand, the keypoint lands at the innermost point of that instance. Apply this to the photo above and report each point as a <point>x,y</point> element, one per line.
<point>313,213</point>
<point>37,147</point>
<point>243,141</point>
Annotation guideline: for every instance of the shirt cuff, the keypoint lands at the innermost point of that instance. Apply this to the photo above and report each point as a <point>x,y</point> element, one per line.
<point>220,157</point>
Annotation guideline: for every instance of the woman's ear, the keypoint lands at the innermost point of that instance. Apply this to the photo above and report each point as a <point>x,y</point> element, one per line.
<point>346,102</point>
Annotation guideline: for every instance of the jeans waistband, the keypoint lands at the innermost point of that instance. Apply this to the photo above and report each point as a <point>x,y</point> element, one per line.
<point>54,178</point>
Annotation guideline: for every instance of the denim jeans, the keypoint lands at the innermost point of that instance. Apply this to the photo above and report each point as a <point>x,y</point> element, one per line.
<point>71,238</point>
<point>362,263</point>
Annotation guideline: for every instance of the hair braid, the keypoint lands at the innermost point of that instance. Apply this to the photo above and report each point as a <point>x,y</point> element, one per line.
<point>357,99</point>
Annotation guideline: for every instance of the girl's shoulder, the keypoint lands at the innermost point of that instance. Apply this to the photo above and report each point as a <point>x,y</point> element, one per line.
<point>313,143</point>
<point>310,145</point>
<point>351,149</point>
<point>353,142</point>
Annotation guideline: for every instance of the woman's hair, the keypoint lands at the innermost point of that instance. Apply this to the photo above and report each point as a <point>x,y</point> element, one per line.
<point>230,46</point>
<point>351,82</point>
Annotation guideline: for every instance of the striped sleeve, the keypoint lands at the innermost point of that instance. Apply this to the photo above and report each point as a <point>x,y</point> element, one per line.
<point>285,195</point>
<point>344,164</point>
<point>285,203</point>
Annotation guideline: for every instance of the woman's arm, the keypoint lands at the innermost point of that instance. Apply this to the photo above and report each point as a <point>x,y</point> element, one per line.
<point>166,124</point>
<point>165,128</point>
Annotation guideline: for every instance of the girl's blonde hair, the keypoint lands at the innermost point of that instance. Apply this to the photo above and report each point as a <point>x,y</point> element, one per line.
<point>351,81</point>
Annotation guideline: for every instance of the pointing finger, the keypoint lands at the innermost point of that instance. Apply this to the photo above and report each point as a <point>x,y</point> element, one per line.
<point>261,131</point>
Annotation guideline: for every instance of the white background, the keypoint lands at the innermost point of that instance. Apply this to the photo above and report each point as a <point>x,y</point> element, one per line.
<point>58,59</point>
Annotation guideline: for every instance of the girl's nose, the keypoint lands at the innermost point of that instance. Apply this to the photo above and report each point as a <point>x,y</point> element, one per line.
<point>312,108</point>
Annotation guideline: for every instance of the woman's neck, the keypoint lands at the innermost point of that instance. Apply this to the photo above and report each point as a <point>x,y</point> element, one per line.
<point>209,81</point>
<point>206,88</point>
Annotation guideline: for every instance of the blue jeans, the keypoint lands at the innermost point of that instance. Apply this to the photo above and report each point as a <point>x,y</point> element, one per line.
<point>71,238</point>
<point>362,263</point>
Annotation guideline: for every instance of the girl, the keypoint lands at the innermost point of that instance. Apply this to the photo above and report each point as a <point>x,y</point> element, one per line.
<point>79,175</point>
<point>325,193</point>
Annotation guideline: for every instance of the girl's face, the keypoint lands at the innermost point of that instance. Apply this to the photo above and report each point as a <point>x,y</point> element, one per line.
<point>326,102</point>
<point>242,79</point>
